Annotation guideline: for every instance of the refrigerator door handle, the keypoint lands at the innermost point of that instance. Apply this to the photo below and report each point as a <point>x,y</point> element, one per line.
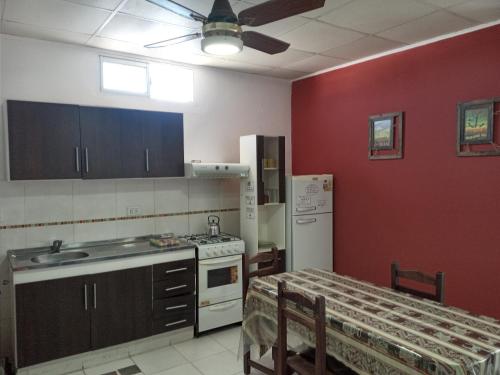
<point>305,209</point>
<point>305,221</point>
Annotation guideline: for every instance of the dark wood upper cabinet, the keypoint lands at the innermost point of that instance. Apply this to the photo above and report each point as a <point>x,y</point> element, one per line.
<point>59,141</point>
<point>122,305</point>
<point>52,319</point>
<point>164,144</point>
<point>44,141</point>
<point>101,142</point>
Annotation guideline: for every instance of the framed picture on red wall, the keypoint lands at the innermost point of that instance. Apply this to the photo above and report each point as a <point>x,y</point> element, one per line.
<point>385,136</point>
<point>476,128</point>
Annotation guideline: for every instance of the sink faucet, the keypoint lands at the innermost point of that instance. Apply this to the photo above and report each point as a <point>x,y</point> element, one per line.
<point>56,246</point>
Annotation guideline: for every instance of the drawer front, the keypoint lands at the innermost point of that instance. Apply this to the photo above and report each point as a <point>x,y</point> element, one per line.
<point>174,270</point>
<point>173,321</point>
<point>174,287</point>
<point>174,305</point>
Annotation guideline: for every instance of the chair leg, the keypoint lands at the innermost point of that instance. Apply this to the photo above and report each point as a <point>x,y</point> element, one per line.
<point>246,361</point>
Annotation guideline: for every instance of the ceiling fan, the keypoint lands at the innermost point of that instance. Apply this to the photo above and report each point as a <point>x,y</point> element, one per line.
<point>222,33</point>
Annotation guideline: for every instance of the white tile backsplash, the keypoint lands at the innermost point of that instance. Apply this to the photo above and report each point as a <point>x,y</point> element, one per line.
<point>94,199</point>
<point>48,201</point>
<point>135,228</point>
<point>135,193</point>
<point>198,223</point>
<point>172,224</point>
<point>171,196</point>
<point>204,194</point>
<point>230,193</point>
<point>99,231</point>
<point>11,203</point>
<point>44,236</point>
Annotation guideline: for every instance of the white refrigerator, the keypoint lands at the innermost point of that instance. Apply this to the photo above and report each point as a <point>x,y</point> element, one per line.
<point>309,222</point>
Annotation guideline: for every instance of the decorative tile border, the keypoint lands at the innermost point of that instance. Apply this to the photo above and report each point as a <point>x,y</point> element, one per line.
<point>118,218</point>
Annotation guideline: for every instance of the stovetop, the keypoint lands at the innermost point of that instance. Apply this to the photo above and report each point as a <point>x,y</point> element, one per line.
<point>204,239</point>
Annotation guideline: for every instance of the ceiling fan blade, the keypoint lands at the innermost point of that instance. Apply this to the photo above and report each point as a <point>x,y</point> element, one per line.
<point>263,42</point>
<point>172,41</point>
<point>274,10</point>
<point>179,9</point>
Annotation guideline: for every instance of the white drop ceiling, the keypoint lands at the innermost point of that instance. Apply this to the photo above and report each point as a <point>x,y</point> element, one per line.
<point>340,32</point>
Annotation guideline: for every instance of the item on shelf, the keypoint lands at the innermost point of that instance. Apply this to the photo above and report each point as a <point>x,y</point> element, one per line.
<point>166,240</point>
<point>213,226</point>
<point>265,245</point>
<point>269,163</point>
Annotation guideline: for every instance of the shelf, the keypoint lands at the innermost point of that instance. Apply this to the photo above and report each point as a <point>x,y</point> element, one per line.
<point>272,204</point>
<point>271,169</point>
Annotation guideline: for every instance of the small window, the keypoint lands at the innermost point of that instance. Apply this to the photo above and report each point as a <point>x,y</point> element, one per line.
<point>124,76</point>
<point>171,83</point>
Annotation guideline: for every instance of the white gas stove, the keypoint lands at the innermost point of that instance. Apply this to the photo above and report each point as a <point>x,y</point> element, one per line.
<point>220,284</point>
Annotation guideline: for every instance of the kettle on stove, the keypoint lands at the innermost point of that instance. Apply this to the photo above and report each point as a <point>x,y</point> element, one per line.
<point>213,226</point>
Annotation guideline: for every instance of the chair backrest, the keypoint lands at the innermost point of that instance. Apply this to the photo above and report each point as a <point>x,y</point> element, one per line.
<point>436,281</point>
<point>271,257</point>
<point>315,322</point>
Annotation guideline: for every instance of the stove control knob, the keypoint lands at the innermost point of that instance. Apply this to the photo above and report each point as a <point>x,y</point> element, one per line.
<point>208,253</point>
<point>215,253</point>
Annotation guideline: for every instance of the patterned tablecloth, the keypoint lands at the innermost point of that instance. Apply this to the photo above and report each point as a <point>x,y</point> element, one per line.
<point>376,330</point>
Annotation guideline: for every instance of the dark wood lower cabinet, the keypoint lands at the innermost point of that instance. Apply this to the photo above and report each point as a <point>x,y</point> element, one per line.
<point>63,317</point>
<point>52,320</point>
<point>121,306</point>
<point>59,318</point>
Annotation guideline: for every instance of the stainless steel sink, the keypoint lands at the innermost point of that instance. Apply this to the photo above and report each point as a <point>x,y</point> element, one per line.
<point>59,257</point>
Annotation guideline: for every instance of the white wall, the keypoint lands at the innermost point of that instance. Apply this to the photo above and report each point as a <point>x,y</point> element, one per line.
<point>227,104</point>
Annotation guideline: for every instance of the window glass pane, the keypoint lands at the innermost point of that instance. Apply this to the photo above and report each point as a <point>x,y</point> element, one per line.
<point>171,83</point>
<point>125,77</point>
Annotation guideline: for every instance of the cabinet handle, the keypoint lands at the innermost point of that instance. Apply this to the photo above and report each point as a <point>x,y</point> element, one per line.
<point>147,160</point>
<point>175,307</point>
<point>306,221</point>
<point>95,296</point>
<point>175,323</point>
<point>176,270</point>
<point>86,160</point>
<point>77,158</point>
<point>86,297</point>
<point>175,287</point>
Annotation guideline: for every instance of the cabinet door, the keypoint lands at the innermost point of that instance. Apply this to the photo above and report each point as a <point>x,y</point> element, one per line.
<point>44,141</point>
<point>101,142</point>
<point>121,305</point>
<point>131,143</point>
<point>52,320</point>
<point>164,144</point>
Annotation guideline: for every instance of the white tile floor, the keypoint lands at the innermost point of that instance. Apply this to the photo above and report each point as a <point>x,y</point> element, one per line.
<point>211,354</point>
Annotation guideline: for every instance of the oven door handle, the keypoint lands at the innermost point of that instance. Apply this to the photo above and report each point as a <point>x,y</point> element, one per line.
<point>224,306</point>
<point>221,260</point>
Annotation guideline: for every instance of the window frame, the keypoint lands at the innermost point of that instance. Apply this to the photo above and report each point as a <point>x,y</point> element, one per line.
<point>124,61</point>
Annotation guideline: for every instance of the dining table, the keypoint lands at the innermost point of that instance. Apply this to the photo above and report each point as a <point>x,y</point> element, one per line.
<point>377,330</point>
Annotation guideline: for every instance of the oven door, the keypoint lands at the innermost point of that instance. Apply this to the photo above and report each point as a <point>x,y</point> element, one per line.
<point>219,280</point>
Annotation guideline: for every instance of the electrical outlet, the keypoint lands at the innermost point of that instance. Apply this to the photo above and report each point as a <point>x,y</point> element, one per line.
<point>133,211</point>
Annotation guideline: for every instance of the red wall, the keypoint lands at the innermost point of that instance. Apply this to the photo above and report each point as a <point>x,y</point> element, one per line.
<point>431,210</point>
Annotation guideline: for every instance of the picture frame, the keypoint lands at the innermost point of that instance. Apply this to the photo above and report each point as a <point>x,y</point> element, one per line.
<point>476,122</point>
<point>385,136</point>
<point>476,128</point>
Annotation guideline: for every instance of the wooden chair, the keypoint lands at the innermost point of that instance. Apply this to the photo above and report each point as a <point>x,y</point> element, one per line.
<point>436,281</point>
<point>271,258</point>
<point>285,364</point>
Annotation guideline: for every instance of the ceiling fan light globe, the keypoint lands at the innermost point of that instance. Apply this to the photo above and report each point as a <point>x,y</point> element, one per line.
<point>221,45</point>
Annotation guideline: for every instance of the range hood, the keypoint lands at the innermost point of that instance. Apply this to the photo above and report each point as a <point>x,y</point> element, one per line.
<point>216,170</point>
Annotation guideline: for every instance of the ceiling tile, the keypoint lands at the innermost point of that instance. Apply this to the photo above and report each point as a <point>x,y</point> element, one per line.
<point>144,9</point>
<point>327,8</point>
<point>427,27</point>
<point>240,66</point>
<point>38,32</point>
<point>252,56</point>
<point>368,46</point>
<point>103,4</point>
<point>318,37</point>
<point>281,27</point>
<point>479,10</point>
<point>116,45</point>
<point>373,16</point>
<point>285,73</point>
<point>55,14</point>
<point>315,63</point>
<point>444,3</point>
<point>139,31</point>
